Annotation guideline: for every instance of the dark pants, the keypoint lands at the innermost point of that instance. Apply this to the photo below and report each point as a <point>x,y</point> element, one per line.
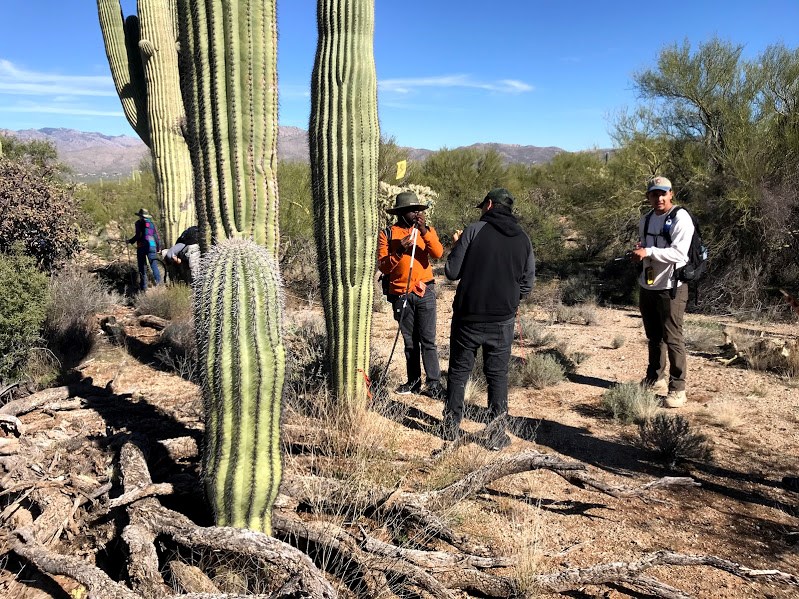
<point>663,319</point>
<point>142,257</point>
<point>418,328</point>
<point>465,338</point>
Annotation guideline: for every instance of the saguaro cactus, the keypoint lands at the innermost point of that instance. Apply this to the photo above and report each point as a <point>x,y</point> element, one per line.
<point>228,64</point>
<point>344,138</point>
<point>143,56</point>
<point>238,302</point>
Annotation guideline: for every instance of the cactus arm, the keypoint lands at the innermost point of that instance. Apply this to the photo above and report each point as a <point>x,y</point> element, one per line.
<point>344,137</point>
<point>165,114</point>
<point>121,39</point>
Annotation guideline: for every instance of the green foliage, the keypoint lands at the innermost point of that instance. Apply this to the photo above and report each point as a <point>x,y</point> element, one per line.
<point>37,211</point>
<point>37,152</point>
<point>629,402</point>
<point>117,201</point>
<point>538,371</point>
<point>296,203</point>
<point>23,307</point>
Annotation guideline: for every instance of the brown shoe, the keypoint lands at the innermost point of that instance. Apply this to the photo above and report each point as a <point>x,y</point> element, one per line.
<point>658,387</point>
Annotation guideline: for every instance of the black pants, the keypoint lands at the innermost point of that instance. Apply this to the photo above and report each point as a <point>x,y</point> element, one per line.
<point>663,320</point>
<point>465,338</point>
<point>418,328</point>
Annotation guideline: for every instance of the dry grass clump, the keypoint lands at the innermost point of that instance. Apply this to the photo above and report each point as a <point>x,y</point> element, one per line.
<point>76,296</point>
<point>533,333</point>
<point>701,336</point>
<point>179,351</point>
<point>618,341</point>
<point>586,314</point>
<point>629,402</point>
<point>538,371</point>
<point>172,302</point>
<point>577,290</point>
<point>727,415</point>
<point>671,439</point>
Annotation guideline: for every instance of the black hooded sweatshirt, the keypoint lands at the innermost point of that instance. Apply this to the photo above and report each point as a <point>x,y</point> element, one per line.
<point>495,263</point>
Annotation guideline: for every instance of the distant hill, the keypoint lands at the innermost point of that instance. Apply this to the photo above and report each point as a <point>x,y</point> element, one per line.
<point>95,156</point>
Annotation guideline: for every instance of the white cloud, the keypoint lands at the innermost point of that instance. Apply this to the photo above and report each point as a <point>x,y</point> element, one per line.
<point>18,81</point>
<point>406,86</point>
<point>44,109</point>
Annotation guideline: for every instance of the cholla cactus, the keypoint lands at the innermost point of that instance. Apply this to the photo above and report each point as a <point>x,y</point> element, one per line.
<point>143,56</point>
<point>387,193</point>
<point>229,70</point>
<point>344,136</point>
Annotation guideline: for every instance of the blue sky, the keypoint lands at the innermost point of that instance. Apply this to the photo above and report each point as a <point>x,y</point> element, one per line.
<point>530,72</point>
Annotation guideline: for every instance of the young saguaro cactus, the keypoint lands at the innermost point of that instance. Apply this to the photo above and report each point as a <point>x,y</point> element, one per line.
<point>143,56</point>
<point>228,64</point>
<point>344,137</point>
<point>238,301</point>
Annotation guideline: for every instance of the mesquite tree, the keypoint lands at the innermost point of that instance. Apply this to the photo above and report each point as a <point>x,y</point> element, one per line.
<point>344,137</point>
<point>143,55</point>
<point>230,89</point>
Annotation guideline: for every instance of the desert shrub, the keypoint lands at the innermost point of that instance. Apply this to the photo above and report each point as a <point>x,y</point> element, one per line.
<point>618,341</point>
<point>538,371</point>
<point>37,211</point>
<point>23,307</point>
<point>116,201</point>
<point>578,314</point>
<point>172,302</point>
<point>75,297</point>
<point>534,333</point>
<point>299,269</point>
<point>577,290</point>
<point>179,349</point>
<point>702,336</point>
<point>671,439</point>
<point>306,361</point>
<point>629,402</point>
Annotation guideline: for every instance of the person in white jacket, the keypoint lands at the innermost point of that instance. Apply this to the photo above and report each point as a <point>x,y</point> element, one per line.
<point>664,241</point>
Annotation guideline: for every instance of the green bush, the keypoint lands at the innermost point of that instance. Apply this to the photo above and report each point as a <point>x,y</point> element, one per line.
<point>629,402</point>
<point>23,306</point>
<point>671,439</point>
<point>538,371</point>
<point>107,201</point>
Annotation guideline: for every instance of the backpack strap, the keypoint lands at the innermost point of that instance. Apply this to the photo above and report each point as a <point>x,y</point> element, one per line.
<point>667,230</point>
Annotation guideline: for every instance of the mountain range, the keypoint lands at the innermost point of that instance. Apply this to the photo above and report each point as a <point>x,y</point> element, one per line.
<point>93,156</point>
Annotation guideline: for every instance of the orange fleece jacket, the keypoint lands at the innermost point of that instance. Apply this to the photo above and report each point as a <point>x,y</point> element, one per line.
<point>396,265</point>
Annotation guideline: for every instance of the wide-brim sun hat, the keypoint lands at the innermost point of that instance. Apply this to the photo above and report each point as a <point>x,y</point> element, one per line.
<point>143,212</point>
<point>405,201</point>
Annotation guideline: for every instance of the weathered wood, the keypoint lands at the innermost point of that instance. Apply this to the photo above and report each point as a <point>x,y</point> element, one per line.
<point>154,322</point>
<point>191,578</point>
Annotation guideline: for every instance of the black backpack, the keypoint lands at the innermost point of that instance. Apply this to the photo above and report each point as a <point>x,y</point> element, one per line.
<point>385,280</point>
<point>697,253</point>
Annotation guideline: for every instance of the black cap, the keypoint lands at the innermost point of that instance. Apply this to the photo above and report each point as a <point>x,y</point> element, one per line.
<point>499,196</point>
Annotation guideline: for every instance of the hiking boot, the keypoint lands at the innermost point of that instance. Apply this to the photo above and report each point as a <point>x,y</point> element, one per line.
<point>675,399</point>
<point>658,387</point>
<point>436,391</point>
<point>498,441</point>
<point>791,483</point>
<point>408,388</point>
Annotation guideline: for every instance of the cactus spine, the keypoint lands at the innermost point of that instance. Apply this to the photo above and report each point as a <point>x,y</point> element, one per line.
<point>229,67</point>
<point>142,54</point>
<point>344,137</point>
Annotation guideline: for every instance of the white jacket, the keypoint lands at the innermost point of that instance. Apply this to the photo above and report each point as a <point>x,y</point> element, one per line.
<point>661,256</point>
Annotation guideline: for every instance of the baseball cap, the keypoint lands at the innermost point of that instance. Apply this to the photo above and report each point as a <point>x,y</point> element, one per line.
<point>659,183</point>
<point>499,196</point>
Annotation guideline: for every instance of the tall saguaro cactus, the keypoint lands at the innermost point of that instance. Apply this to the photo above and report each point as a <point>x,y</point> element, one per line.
<point>229,68</point>
<point>344,138</point>
<point>143,56</point>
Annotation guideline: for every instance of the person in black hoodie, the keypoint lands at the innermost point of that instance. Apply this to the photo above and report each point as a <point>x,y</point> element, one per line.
<point>494,261</point>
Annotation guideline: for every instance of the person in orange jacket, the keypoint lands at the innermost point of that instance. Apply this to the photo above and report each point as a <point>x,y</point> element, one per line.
<point>412,293</point>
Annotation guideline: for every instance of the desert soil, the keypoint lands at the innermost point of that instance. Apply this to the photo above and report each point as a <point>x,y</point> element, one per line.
<point>739,511</point>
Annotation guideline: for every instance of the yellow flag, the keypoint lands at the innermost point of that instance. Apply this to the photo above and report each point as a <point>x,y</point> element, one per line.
<point>401,166</point>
